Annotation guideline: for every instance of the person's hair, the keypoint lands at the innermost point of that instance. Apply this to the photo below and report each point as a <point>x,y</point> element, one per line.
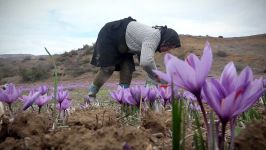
<point>168,37</point>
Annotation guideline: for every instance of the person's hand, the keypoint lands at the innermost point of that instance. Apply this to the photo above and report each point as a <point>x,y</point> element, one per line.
<point>159,80</point>
<point>151,83</point>
<point>156,81</point>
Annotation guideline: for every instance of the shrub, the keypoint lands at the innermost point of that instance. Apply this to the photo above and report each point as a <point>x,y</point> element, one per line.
<point>82,61</point>
<point>42,58</point>
<point>88,49</point>
<point>73,52</point>
<point>221,54</point>
<point>7,70</point>
<point>77,71</point>
<point>35,73</point>
<point>27,58</point>
<point>61,58</point>
<point>65,54</point>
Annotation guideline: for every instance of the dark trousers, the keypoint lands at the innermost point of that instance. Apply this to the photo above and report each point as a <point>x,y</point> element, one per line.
<point>105,73</point>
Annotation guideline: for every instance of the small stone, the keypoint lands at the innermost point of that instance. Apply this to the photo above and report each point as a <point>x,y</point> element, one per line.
<point>158,135</point>
<point>154,139</point>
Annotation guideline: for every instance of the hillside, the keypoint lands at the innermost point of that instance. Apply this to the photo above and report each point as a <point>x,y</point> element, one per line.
<point>74,65</point>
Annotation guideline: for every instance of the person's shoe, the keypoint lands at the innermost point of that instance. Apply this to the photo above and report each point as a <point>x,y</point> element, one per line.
<point>93,90</point>
<point>94,101</point>
<point>124,85</point>
<point>90,101</point>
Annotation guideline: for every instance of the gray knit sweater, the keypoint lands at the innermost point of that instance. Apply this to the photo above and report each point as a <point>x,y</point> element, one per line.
<point>143,39</point>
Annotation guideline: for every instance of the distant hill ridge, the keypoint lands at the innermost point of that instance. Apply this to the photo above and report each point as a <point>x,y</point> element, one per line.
<point>15,55</point>
<point>243,51</point>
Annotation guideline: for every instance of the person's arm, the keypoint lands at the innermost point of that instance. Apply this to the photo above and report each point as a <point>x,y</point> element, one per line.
<point>147,61</point>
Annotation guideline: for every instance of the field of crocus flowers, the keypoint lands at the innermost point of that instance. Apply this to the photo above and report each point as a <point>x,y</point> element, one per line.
<point>190,111</point>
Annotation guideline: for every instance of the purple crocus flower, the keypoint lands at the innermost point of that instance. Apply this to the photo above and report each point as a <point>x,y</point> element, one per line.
<point>129,99</point>
<point>264,83</point>
<point>232,94</point>
<point>118,95</point>
<point>189,96</point>
<point>42,100</point>
<point>9,94</point>
<point>165,94</point>
<point>43,89</point>
<point>139,92</point>
<point>30,99</point>
<point>189,74</point>
<point>61,95</point>
<point>66,103</point>
<point>192,101</point>
<point>152,95</point>
<point>134,95</point>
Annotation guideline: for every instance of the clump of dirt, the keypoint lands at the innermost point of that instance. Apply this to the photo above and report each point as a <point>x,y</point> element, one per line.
<point>157,122</point>
<point>93,119</point>
<point>97,129</point>
<point>25,124</point>
<point>253,136</point>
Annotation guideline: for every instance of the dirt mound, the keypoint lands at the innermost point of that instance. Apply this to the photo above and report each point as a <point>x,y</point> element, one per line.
<point>253,136</point>
<point>97,129</point>
<point>157,122</point>
<point>93,119</point>
<point>25,125</point>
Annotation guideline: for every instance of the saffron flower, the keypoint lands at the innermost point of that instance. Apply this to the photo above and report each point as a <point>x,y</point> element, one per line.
<point>135,95</point>
<point>191,99</point>
<point>61,95</point>
<point>42,100</point>
<point>152,99</point>
<point>152,95</point>
<point>43,89</point>
<point>138,92</point>
<point>30,99</point>
<point>264,83</point>
<point>232,94</point>
<point>165,94</point>
<point>189,74</point>
<point>118,95</point>
<point>66,103</point>
<point>9,94</point>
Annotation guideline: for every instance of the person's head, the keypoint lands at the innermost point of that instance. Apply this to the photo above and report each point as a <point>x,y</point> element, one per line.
<point>169,40</point>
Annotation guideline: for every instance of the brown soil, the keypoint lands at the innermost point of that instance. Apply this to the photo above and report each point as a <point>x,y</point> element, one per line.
<point>97,129</point>
<point>253,137</point>
<point>104,128</point>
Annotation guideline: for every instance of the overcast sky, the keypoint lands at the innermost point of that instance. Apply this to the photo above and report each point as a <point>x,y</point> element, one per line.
<point>27,26</point>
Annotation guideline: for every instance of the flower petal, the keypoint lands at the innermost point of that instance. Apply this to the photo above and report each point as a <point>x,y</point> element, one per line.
<point>183,75</point>
<point>244,78</point>
<point>162,76</point>
<point>228,77</point>
<point>193,60</point>
<point>213,94</point>
<point>31,100</point>
<point>227,105</point>
<point>202,70</point>
<point>253,91</point>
